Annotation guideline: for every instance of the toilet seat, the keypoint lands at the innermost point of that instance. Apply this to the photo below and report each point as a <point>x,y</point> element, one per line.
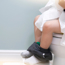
<point>56,39</point>
<point>57,35</point>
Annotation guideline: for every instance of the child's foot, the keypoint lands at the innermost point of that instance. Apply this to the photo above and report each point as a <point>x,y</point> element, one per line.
<point>38,52</point>
<point>26,54</point>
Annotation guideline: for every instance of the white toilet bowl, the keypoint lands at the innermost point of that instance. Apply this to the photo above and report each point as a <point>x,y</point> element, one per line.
<point>58,50</point>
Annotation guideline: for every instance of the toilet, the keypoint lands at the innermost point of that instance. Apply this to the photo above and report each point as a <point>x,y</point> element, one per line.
<point>58,52</point>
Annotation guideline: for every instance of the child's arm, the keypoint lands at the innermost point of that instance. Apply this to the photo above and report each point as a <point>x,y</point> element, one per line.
<point>62,3</point>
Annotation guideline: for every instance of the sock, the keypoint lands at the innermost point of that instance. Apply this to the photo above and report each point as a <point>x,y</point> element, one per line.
<point>38,43</point>
<point>26,54</point>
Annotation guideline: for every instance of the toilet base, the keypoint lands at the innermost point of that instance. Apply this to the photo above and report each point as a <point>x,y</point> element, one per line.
<point>58,60</point>
<point>59,54</point>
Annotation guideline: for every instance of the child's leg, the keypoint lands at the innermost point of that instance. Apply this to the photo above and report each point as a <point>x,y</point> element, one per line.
<point>37,32</point>
<point>49,27</point>
<point>43,50</point>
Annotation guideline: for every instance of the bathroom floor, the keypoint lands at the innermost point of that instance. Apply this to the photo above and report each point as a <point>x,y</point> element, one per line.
<point>14,63</point>
<point>12,57</point>
<point>11,63</point>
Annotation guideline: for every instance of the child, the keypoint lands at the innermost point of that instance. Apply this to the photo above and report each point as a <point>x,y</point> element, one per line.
<point>44,26</point>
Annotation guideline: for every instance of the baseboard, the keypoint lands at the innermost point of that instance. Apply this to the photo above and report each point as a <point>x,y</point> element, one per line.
<point>11,55</point>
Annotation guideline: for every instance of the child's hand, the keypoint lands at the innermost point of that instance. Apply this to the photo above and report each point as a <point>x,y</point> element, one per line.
<point>62,3</point>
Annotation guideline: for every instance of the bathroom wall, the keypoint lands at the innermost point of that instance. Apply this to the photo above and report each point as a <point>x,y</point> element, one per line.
<point>16,23</point>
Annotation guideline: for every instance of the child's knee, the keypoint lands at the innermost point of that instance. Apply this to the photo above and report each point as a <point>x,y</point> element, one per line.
<point>36,18</point>
<point>47,26</point>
